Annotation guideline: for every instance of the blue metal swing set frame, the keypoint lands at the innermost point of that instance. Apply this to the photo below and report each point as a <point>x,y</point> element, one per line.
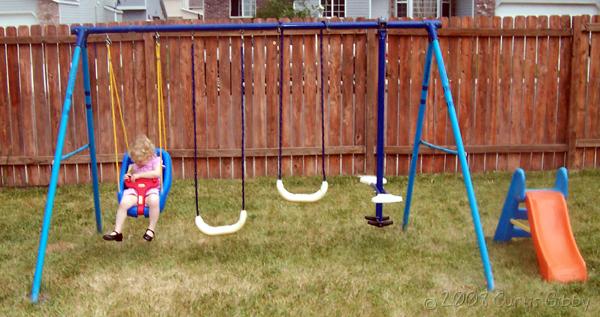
<point>80,55</point>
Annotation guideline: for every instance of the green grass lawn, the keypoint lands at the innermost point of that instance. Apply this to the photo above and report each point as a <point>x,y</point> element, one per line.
<point>319,259</point>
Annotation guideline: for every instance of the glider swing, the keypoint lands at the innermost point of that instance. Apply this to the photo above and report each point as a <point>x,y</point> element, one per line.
<point>203,226</point>
<point>324,185</point>
<point>143,184</point>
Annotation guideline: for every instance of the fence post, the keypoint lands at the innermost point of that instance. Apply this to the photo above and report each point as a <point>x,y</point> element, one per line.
<point>577,89</point>
<point>371,109</point>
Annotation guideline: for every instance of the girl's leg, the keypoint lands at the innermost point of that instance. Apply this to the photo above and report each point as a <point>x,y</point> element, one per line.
<point>154,207</point>
<point>127,202</point>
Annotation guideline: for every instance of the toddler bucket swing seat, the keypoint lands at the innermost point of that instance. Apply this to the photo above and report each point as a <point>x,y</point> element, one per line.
<point>167,170</point>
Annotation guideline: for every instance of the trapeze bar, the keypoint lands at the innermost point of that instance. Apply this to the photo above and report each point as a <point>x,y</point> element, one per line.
<point>427,24</point>
<point>437,147</point>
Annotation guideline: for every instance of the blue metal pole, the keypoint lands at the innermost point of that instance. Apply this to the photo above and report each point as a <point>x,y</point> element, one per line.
<point>464,166</point>
<point>257,26</point>
<point>92,143</point>
<point>37,278</point>
<point>415,154</point>
<point>380,118</point>
<point>79,150</point>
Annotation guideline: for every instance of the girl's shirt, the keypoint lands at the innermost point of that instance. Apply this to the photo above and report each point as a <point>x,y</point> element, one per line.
<point>148,167</point>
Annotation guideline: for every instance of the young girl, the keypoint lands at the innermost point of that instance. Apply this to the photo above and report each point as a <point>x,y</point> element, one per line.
<point>146,165</point>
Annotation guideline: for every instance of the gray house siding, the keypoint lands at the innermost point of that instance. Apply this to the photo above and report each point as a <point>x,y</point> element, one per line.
<point>87,11</point>
<point>357,8</point>
<point>18,12</point>
<point>141,10</point>
<point>379,9</point>
<point>126,3</point>
<point>134,15</point>
<point>464,7</point>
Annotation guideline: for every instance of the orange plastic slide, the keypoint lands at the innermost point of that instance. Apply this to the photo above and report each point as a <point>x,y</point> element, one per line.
<point>557,253</point>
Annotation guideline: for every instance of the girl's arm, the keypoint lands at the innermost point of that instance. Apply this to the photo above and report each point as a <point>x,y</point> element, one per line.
<point>129,170</point>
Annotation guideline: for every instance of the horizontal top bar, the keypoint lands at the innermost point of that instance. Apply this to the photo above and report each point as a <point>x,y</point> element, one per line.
<point>426,24</point>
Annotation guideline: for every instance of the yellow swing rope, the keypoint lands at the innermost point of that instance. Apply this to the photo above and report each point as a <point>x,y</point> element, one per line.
<point>162,129</point>
<point>114,94</point>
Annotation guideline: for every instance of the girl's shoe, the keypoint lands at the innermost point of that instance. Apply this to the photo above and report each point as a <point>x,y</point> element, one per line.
<point>148,237</point>
<point>113,236</point>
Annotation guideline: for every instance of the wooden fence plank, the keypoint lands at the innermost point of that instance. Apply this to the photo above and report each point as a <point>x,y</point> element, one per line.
<point>16,174</point>
<point>26,112</point>
<point>441,123</point>
<point>348,100</point>
<point>360,101</point>
<point>504,90</point>
<point>482,89</point>
<point>105,125</point>
<point>466,108</point>
<point>529,92</point>
<point>272,99</point>
<point>40,175</point>
<point>552,84</point>
<point>517,123</point>
<point>201,104</point>
<point>227,133</point>
<point>65,58</point>
<point>312,105</point>
<point>53,87</point>
<point>212,110</point>
<point>392,113</point>
<point>178,60</point>
<point>577,88</point>
<point>80,126</point>
<point>492,159</point>
<point>593,99</point>
<point>259,107</point>
<point>236,101</point>
<point>417,61</point>
<point>371,103</point>
<point>564,87</point>
<point>335,106</point>
<point>5,133</point>
<point>185,109</point>
<point>541,93</point>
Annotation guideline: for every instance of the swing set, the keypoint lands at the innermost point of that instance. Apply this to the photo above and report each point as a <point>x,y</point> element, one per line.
<point>377,181</point>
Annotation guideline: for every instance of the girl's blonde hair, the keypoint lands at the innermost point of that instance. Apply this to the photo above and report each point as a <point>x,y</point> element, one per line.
<point>142,149</point>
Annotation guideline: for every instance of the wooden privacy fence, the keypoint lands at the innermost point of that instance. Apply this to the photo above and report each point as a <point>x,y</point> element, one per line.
<point>527,93</point>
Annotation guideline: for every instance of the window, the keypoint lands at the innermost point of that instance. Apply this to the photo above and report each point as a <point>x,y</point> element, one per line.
<point>195,5</point>
<point>243,8</point>
<point>402,8</point>
<point>423,8</point>
<point>446,8</point>
<point>334,8</point>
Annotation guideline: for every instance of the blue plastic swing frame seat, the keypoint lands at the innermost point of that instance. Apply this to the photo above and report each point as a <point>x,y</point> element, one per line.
<point>166,181</point>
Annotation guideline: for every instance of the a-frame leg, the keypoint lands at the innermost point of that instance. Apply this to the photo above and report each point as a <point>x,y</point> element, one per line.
<point>418,132</point>
<point>37,277</point>
<point>487,268</point>
<point>91,142</point>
